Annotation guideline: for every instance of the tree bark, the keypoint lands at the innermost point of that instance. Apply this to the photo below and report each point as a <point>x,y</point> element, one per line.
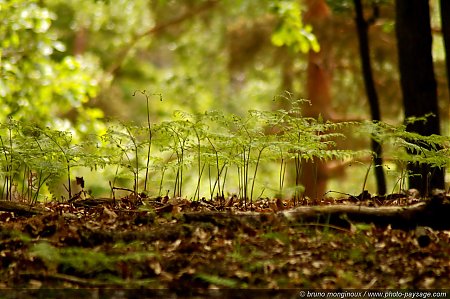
<point>418,83</point>
<point>432,214</point>
<point>445,24</point>
<point>80,41</point>
<point>314,174</point>
<point>20,209</point>
<point>362,27</point>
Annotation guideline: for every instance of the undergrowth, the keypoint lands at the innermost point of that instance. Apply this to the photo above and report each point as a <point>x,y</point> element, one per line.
<point>209,147</point>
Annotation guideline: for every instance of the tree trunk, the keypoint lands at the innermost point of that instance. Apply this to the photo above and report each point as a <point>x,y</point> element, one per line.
<point>445,23</point>
<point>363,27</point>
<point>318,88</point>
<point>80,41</point>
<point>418,83</point>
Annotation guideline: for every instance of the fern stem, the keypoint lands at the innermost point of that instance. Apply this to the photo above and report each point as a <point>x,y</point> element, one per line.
<point>254,175</point>
<point>365,181</point>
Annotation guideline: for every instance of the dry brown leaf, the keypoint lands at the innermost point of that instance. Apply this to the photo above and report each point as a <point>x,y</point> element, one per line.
<point>155,266</point>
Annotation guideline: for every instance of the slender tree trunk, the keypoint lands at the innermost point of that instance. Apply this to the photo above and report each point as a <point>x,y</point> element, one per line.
<point>362,27</point>
<point>418,83</point>
<point>314,174</point>
<point>445,23</point>
<point>80,41</point>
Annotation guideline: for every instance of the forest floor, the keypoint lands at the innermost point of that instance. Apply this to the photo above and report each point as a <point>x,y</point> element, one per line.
<point>175,248</point>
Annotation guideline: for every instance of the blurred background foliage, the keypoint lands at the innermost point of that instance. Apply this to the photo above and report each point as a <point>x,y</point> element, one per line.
<point>72,64</point>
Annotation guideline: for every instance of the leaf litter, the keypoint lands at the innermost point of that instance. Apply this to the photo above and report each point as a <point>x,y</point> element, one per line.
<point>195,246</point>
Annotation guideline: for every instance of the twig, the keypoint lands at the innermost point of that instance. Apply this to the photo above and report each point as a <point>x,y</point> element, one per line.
<point>157,28</point>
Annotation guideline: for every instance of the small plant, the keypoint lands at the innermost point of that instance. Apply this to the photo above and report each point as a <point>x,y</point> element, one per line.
<point>8,150</point>
<point>178,132</point>
<point>305,139</point>
<point>124,146</point>
<point>150,132</point>
<point>433,150</point>
<point>181,149</point>
<point>34,156</point>
<point>217,153</point>
<point>65,151</point>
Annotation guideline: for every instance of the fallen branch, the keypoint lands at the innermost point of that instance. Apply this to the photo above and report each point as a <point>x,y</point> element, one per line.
<point>85,282</point>
<point>67,278</point>
<point>434,214</point>
<point>20,209</point>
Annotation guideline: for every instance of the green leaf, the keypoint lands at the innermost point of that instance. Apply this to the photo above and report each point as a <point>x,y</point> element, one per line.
<point>217,280</point>
<point>291,32</point>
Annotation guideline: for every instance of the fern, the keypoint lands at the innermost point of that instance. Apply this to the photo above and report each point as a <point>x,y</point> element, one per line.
<point>410,147</point>
<point>189,145</point>
<point>432,150</point>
